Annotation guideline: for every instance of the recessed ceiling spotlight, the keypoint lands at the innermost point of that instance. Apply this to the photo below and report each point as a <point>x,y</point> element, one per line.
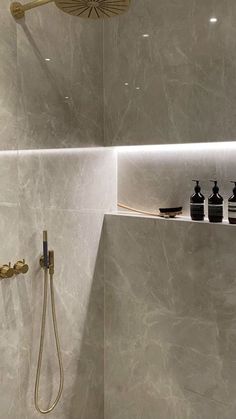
<point>145,35</point>
<point>66,97</point>
<point>47,59</point>
<point>126,84</point>
<point>213,20</point>
<point>137,88</point>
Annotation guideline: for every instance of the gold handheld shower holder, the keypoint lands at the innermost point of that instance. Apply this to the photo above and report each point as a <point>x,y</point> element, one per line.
<point>50,262</point>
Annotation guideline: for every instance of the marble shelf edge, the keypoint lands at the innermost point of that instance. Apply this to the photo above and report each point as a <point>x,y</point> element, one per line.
<point>185,219</point>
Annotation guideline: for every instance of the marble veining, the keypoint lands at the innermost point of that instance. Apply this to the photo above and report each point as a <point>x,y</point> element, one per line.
<point>170,309</point>
<point>8,80</point>
<point>60,100</point>
<point>166,76</point>
<point>67,193</point>
<point>157,177</point>
<point>56,103</point>
<point>176,84</point>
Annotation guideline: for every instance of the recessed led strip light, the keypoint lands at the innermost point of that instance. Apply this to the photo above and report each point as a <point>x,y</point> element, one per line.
<point>67,150</point>
<point>227,145</point>
<point>223,146</point>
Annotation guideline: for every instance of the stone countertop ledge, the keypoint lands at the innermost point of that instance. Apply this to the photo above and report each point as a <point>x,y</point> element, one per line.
<point>176,219</point>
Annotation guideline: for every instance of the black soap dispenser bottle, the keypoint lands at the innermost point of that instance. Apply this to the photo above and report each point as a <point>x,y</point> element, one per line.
<point>215,205</point>
<point>232,206</point>
<point>197,201</point>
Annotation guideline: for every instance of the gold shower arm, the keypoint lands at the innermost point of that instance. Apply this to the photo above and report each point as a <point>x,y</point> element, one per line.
<point>18,10</point>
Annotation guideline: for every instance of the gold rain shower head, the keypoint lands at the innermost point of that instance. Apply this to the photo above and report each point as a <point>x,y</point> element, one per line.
<point>94,9</point>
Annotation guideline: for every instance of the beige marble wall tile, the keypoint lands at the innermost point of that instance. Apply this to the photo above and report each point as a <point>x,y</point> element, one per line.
<point>56,103</point>
<point>9,178</point>
<point>8,79</point>
<point>162,177</point>
<point>68,179</point>
<point>59,101</point>
<point>183,72</point>
<point>75,238</point>
<point>67,194</point>
<point>9,201</point>
<point>9,308</point>
<point>169,319</point>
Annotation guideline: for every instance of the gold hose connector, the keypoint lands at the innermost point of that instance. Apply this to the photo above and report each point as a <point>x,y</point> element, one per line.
<point>48,269</point>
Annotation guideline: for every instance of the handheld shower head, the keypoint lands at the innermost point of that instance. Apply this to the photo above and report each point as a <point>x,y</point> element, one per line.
<point>45,249</point>
<point>89,9</point>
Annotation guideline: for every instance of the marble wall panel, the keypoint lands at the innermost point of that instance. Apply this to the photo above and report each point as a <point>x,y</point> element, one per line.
<point>8,303</point>
<point>33,201</point>
<point>176,84</point>
<point>56,103</point>
<point>8,79</point>
<point>75,237</point>
<point>150,178</point>
<point>170,310</point>
<point>59,101</point>
<point>68,179</point>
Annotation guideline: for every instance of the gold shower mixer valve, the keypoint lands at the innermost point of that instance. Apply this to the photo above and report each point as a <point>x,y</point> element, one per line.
<point>21,267</point>
<point>7,271</point>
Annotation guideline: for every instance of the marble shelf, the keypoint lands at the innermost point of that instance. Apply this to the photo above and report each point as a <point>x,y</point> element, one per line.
<point>176,219</point>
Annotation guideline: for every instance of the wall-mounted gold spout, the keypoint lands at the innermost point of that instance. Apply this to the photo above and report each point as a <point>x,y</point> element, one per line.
<point>21,267</point>
<point>6,271</point>
<point>18,10</point>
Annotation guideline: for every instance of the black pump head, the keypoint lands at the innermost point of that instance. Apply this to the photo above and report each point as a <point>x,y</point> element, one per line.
<point>234,190</point>
<point>197,187</point>
<point>216,187</point>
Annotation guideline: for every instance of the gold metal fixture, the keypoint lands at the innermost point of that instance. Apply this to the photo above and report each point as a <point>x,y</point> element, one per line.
<point>45,236</point>
<point>6,271</point>
<point>95,9</point>
<point>41,261</point>
<point>21,267</point>
<point>47,263</point>
<point>18,9</point>
<point>51,262</point>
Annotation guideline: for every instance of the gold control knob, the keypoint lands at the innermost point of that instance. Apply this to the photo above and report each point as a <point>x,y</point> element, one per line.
<point>21,267</point>
<point>6,271</point>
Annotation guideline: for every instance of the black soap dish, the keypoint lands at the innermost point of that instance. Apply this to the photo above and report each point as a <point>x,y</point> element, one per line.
<point>170,212</point>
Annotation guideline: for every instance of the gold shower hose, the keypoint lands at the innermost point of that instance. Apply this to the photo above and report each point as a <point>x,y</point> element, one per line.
<point>43,326</point>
